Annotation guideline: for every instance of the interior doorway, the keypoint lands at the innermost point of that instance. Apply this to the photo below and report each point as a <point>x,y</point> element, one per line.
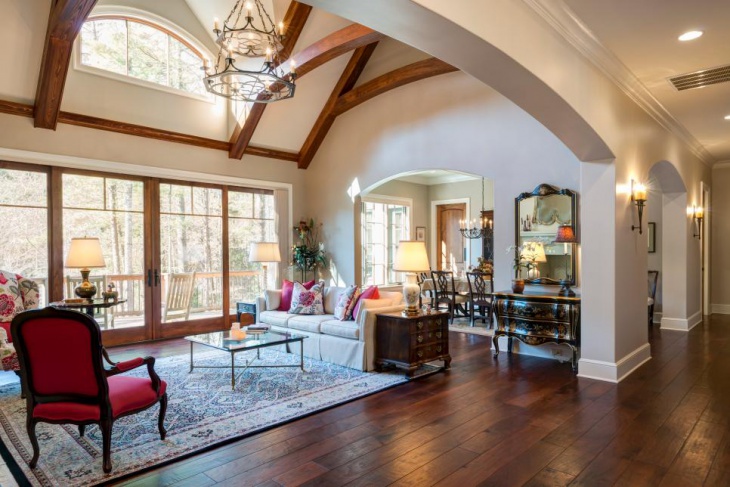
<point>451,251</point>
<point>705,249</point>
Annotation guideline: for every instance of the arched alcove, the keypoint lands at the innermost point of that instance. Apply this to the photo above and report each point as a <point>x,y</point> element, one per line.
<point>673,239</point>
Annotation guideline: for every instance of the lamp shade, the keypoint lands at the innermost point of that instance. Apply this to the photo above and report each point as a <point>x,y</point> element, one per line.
<point>536,253</point>
<point>565,235</point>
<point>264,252</point>
<point>411,257</point>
<point>85,253</point>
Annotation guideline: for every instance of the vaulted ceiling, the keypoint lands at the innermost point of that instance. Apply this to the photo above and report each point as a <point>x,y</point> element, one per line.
<point>344,64</point>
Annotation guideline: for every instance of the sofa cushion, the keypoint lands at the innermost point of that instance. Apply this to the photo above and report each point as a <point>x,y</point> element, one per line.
<point>273,299</point>
<point>369,293</point>
<point>276,318</point>
<point>310,323</point>
<point>331,295</point>
<point>345,329</point>
<point>307,301</point>
<point>344,306</point>
<point>395,297</point>
<point>11,300</point>
<point>287,288</point>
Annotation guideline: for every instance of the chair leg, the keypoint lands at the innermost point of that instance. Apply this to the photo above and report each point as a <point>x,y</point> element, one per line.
<point>106,435</point>
<point>471,315</point>
<point>161,419</point>
<point>82,428</point>
<point>30,426</point>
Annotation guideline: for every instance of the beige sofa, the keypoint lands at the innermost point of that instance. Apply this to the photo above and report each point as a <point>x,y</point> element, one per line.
<point>347,343</point>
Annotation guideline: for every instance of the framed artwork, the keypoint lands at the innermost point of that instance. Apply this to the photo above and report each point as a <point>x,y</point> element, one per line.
<point>651,230</point>
<point>421,234</point>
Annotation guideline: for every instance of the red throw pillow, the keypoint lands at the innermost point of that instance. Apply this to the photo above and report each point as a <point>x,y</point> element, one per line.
<point>286,291</point>
<point>370,293</point>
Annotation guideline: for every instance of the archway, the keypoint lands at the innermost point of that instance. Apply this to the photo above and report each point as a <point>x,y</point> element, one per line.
<point>667,204</point>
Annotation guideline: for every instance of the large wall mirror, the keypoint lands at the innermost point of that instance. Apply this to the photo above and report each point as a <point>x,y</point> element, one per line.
<point>537,217</point>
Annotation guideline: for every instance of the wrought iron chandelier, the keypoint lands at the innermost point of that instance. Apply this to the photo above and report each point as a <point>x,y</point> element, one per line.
<point>244,36</point>
<point>470,229</point>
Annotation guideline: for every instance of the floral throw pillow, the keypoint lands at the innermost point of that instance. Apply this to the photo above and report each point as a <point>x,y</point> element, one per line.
<point>345,303</point>
<point>307,301</point>
<point>11,302</point>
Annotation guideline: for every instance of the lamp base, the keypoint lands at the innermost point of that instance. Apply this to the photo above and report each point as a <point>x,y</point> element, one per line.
<point>86,289</point>
<point>411,292</point>
<point>565,290</point>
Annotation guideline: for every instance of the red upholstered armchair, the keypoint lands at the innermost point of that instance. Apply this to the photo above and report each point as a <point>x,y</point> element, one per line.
<point>65,381</point>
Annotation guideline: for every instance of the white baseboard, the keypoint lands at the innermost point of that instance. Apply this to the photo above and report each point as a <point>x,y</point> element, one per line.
<point>720,309</point>
<point>681,324</point>
<point>614,372</point>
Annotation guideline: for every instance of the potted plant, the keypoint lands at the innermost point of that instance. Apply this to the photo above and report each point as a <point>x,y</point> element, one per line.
<point>518,263</point>
<point>309,253</point>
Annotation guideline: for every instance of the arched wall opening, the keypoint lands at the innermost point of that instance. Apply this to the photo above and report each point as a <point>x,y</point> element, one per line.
<point>678,301</point>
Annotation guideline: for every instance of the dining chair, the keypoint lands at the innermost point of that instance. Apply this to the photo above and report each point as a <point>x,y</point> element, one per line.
<point>425,293</point>
<point>179,296</point>
<point>481,287</point>
<point>653,281</point>
<point>445,294</point>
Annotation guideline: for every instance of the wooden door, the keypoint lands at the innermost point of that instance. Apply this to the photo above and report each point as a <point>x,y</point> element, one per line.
<point>450,242</point>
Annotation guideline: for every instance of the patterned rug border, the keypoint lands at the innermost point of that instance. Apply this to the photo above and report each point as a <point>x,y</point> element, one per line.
<point>20,477</point>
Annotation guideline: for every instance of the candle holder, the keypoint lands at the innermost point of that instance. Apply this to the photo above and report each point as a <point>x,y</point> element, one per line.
<point>638,197</point>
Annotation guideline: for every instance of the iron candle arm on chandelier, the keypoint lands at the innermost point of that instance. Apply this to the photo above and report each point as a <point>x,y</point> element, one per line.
<point>698,214</point>
<point>638,197</point>
<point>469,229</point>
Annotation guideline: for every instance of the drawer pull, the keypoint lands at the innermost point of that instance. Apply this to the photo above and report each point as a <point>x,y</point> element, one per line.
<point>420,353</point>
<point>438,349</point>
<point>419,338</point>
<point>438,334</point>
<point>420,325</point>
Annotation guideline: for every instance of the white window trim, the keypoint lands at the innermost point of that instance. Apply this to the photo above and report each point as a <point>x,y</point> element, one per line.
<point>134,13</point>
<point>385,200</point>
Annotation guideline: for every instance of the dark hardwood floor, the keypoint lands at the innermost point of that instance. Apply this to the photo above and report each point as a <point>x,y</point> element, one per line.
<point>515,421</point>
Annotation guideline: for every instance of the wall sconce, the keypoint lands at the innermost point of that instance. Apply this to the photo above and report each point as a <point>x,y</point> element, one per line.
<point>698,214</point>
<point>638,196</point>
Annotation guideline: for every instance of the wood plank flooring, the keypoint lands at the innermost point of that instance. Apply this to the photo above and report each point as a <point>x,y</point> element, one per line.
<point>517,420</point>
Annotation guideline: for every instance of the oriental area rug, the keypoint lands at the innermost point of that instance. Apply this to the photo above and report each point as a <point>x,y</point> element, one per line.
<point>202,412</point>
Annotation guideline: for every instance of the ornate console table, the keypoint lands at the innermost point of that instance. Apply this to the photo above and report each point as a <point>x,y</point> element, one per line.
<point>535,319</point>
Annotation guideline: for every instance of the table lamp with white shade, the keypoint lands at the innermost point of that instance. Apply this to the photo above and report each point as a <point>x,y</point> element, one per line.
<point>410,258</point>
<point>264,252</point>
<point>85,253</point>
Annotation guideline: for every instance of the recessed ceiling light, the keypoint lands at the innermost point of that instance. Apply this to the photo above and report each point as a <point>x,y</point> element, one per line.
<point>691,35</point>
<point>727,117</point>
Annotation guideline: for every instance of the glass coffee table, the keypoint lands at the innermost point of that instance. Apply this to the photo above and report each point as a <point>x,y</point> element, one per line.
<point>254,341</point>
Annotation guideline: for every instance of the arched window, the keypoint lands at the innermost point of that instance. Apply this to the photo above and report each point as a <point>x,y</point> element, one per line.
<point>141,50</point>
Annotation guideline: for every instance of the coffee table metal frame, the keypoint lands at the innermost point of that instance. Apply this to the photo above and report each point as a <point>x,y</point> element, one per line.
<point>287,338</point>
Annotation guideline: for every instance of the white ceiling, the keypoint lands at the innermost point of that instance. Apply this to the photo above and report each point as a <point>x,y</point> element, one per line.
<point>643,36</point>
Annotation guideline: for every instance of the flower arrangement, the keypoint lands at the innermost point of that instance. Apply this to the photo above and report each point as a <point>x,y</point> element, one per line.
<point>309,253</point>
<point>485,265</point>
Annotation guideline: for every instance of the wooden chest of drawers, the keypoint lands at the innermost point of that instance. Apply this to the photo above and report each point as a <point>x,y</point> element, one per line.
<point>535,319</point>
<point>408,342</point>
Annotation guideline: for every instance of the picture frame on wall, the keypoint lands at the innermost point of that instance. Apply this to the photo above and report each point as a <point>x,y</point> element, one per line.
<point>421,234</point>
<point>651,231</point>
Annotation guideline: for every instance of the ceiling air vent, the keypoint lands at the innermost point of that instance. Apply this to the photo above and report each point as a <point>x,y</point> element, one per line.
<point>699,79</point>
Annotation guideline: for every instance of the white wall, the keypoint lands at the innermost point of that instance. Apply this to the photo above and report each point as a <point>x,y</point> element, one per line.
<point>417,128</point>
<point>720,221</point>
<point>653,213</point>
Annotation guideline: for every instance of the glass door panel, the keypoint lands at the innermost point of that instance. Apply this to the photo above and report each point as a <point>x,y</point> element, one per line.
<point>191,255</point>
<point>251,218</point>
<point>112,210</point>
<point>24,213</point>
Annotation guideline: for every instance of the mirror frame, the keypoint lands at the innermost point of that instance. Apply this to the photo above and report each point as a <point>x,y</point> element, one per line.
<point>549,190</point>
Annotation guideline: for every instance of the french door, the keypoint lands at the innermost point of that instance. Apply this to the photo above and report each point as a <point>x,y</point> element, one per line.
<point>175,252</point>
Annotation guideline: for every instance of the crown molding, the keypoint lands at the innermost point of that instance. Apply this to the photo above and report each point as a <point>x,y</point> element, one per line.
<point>571,28</point>
<point>721,164</point>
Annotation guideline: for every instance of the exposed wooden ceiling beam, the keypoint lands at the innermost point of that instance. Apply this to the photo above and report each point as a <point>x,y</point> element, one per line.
<point>23,110</point>
<point>322,51</point>
<point>326,118</point>
<point>398,77</point>
<point>64,23</point>
<point>294,20</point>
